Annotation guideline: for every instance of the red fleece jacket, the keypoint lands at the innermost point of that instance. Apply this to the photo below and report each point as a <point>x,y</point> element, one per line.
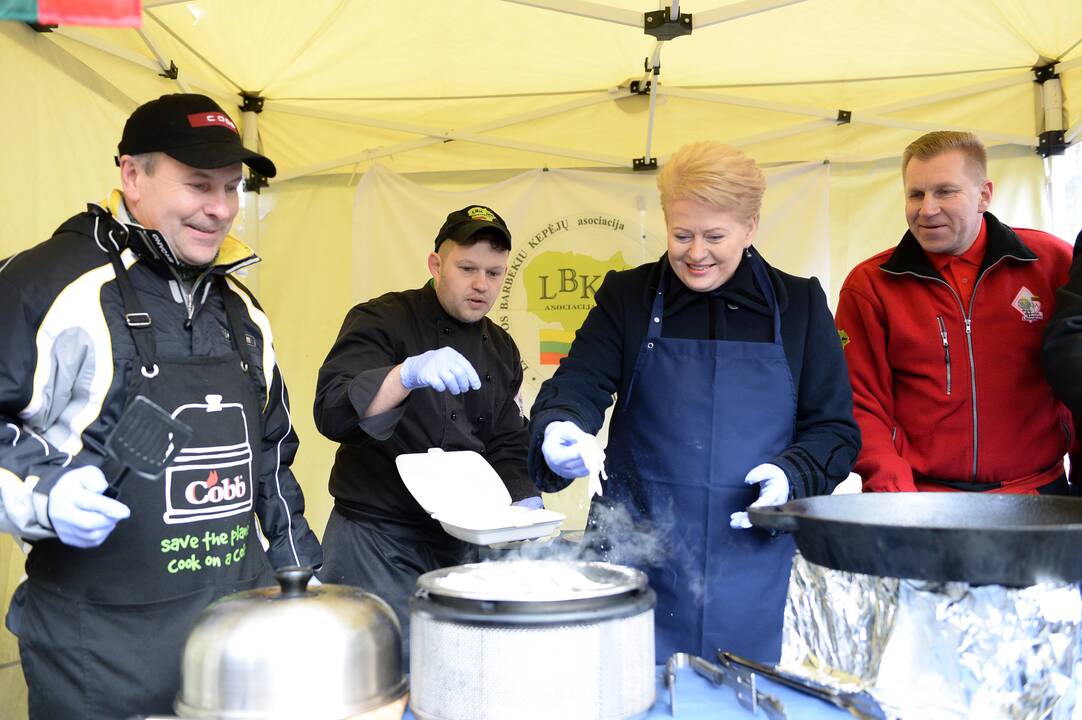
<point>955,393</point>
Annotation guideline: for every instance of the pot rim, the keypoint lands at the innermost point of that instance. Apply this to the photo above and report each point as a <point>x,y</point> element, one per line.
<point>615,580</point>
<point>387,697</point>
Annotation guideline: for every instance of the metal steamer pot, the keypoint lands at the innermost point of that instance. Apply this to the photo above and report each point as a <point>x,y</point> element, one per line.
<point>328,652</point>
<point>980,539</point>
<point>484,650</point>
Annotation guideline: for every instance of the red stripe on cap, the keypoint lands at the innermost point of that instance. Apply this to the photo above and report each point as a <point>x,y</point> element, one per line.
<point>116,13</point>
<point>209,119</point>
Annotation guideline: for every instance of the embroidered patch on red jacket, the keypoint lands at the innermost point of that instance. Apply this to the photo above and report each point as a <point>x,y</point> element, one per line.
<point>1028,304</point>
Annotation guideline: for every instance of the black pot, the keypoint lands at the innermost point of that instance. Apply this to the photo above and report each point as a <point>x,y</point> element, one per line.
<point>980,539</point>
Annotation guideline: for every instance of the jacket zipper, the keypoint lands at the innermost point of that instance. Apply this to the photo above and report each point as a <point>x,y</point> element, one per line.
<point>946,349</point>
<point>189,296</point>
<point>969,342</point>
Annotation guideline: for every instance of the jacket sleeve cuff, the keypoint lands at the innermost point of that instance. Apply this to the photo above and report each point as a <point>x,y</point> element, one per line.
<point>362,390</point>
<point>24,511</point>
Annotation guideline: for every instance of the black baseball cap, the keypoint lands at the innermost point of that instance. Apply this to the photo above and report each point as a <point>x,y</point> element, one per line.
<point>192,129</point>
<point>463,224</point>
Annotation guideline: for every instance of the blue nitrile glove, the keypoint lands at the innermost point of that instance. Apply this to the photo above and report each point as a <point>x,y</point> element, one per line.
<point>773,490</point>
<point>534,503</point>
<point>442,370</point>
<point>562,451</point>
<point>79,513</point>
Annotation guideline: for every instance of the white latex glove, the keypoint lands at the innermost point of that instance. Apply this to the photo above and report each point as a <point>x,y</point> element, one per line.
<point>442,370</point>
<point>563,449</point>
<point>79,513</point>
<point>773,490</point>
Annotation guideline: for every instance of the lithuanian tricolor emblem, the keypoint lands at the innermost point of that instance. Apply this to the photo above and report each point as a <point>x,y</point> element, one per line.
<point>554,345</point>
<point>112,13</point>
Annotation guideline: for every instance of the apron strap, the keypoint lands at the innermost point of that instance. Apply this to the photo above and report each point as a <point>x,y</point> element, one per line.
<point>137,319</point>
<point>236,326</point>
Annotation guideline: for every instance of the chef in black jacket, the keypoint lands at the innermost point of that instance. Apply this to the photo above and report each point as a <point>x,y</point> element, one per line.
<point>410,371</point>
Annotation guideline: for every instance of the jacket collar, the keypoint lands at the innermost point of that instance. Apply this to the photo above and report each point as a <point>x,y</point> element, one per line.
<point>1002,242</point>
<point>151,247</point>
<point>740,290</point>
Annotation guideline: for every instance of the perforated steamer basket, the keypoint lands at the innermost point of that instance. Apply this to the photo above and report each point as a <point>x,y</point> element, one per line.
<point>483,652</point>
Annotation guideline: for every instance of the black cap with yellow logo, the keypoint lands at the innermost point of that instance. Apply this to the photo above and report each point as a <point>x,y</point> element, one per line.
<point>461,225</point>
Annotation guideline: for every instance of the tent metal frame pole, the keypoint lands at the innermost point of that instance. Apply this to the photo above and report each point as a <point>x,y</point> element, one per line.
<point>91,41</point>
<point>1023,78</point>
<point>1073,132</point>
<point>149,4</point>
<point>250,137</point>
<point>1008,138</point>
<point>153,47</point>
<point>735,11</point>
<point>132,102</point>
<point>831,113</point>
<point>592,10</point>
<point>654,75</point>
<point>798,129</point>
<point>438,135</point>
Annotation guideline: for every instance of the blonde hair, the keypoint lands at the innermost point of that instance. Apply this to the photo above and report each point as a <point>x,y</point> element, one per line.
<point>715,174</point>
<point>935,143</point>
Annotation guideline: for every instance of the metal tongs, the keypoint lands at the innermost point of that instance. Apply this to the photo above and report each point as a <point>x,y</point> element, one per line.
<point>859,704</point>
<point>742,685</point>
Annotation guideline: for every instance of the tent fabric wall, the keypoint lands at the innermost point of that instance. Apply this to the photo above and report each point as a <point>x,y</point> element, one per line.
<point>462,95</point>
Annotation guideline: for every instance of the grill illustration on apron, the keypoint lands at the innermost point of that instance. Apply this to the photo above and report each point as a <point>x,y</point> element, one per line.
<point>206,482</point>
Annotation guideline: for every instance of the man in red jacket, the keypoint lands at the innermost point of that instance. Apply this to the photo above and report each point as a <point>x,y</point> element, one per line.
<point>942,336</point>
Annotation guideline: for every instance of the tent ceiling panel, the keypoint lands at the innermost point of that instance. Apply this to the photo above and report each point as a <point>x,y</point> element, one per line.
<point>1050,28</point>
<point>850,39</point>
<point>419,48</point>
<point>456,71</point>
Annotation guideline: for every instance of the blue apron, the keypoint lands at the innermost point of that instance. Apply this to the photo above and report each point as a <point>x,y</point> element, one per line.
<point>697,416</point>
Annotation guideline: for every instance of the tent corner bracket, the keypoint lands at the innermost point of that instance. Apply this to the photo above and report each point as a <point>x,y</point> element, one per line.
<point>661,25</point>
<point>254,182</point>
<point>171,72</point>
<point>1052,142</point>
<point>643,163</point>
<point>845,117</point>
<point>1044,73</point>
<point>252,102</point>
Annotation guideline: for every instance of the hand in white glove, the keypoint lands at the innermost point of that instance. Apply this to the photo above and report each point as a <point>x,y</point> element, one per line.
<point>533,503</point>
<point>773,490</point>
<point>80,514</point>
<point>442,370</point>
<point>564,448</point>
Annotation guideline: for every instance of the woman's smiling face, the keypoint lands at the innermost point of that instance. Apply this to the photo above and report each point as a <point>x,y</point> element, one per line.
<point>706,243</point>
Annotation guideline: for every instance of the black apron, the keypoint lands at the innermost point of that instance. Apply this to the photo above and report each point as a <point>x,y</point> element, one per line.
<point>699,414</point>
<point>101,629</point>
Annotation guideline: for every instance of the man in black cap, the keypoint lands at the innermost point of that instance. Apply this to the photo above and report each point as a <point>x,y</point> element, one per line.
<point>135,297</point>
<point>411,371</point>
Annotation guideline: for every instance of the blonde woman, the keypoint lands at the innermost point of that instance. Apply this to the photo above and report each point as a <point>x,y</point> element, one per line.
<point>731,390</point>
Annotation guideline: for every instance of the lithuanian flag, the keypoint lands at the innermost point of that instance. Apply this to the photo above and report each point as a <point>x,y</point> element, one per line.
<point>114,13</point>
<point>554,345</point>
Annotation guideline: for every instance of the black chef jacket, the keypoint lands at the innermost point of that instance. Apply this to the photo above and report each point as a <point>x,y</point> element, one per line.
<point>376,336</point>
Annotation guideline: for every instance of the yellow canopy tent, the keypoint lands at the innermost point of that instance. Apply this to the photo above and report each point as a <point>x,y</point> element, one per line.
<point>465,93</point>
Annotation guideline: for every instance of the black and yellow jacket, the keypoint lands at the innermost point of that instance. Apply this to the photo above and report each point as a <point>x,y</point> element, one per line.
<point>68,356</point>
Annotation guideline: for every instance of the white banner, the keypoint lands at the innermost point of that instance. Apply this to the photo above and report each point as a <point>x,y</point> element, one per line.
<point>569,228</point>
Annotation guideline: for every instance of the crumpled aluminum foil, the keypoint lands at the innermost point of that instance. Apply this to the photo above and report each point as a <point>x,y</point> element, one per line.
<point>937,651</point>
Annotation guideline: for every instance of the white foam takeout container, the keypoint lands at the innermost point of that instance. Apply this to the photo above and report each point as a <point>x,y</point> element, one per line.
<point>468,498</point>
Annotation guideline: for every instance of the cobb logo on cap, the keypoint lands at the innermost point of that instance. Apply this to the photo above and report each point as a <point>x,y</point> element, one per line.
<point>209,119</point>
<point>480,213</point>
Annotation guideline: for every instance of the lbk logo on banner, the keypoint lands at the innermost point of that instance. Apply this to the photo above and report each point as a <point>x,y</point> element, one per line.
<point>552,276</point>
